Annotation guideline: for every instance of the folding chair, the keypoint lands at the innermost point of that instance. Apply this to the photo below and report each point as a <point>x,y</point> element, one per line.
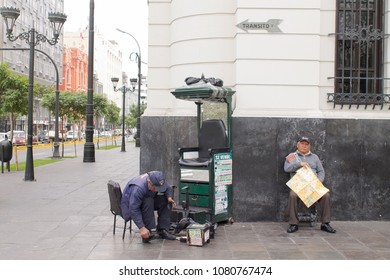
<point>115,195</point>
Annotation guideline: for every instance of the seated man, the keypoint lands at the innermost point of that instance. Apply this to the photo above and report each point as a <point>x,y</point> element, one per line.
<point>143,195</point>
<point>303,157</point>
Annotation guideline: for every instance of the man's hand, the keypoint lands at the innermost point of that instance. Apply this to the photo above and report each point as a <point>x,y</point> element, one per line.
<point>145,233</point>
<point>305,164</point>
<point>170,200</point>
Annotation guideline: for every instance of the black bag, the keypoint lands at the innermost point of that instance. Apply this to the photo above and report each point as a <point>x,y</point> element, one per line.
<point>213,81</point>
<point>183,224</point>
<point>191,80</point>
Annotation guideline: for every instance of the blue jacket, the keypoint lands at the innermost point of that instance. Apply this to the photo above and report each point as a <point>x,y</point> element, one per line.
<point>133,195</point>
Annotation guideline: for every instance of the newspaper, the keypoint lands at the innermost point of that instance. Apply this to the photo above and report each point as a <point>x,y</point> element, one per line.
<point>307,186</point>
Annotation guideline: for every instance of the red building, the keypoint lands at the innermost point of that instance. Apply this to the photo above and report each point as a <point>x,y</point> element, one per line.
<point>75,70</point>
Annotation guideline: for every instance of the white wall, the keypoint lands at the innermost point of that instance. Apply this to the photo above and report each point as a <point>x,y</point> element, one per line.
<point>286,74</point>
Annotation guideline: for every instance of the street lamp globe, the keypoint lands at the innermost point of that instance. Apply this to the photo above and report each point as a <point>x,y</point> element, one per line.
<point>57,20</point>
<point>114,81</point>
<point>9,15</point>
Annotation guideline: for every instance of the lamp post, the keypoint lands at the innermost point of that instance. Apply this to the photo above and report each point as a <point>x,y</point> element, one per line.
<point>33,38</point>
<point>123,89</point>
<point>89,147</point>
<point>138,60</point>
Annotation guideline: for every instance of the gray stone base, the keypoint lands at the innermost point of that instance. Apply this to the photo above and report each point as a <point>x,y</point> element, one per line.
<point>355,155</point>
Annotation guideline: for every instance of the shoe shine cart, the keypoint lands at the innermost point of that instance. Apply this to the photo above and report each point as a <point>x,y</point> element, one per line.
<point>206,186</point>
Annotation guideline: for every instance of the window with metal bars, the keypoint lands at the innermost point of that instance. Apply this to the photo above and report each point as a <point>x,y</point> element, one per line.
<point>359,54</point>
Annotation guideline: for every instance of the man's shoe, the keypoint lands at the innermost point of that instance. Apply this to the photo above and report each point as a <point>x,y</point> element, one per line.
<point>151,237</point>
<point>326,227</point>
<point>292,228</point>
<point>164,234</point>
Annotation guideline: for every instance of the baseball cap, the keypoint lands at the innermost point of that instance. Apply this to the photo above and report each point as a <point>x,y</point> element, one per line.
<point>158,181</point>
<point>304,138</point>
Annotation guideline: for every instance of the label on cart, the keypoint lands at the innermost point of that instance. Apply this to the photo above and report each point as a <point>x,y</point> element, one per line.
<point>223,169</point>
<point>221,200</point>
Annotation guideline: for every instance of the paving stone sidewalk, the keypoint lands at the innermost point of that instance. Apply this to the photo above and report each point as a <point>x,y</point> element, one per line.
<point>64,215</point>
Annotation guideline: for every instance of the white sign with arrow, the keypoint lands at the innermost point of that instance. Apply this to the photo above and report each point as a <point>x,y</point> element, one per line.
<point>270,26</point>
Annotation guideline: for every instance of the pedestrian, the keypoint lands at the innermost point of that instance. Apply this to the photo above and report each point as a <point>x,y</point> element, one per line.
<point>142,196</point>
<point>303,157</point>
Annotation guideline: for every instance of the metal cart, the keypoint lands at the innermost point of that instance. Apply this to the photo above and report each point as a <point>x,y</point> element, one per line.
<point>206,186</point>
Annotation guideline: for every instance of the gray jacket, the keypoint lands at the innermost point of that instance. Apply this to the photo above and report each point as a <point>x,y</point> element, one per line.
<point>293,163</point>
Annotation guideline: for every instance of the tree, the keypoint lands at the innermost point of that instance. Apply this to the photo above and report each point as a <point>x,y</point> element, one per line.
<point>100,104</point>
<point>13,94</point>
<point>131,120</point>
<point>112,113</point>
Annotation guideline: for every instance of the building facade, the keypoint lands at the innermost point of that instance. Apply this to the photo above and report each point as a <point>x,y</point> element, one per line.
<point>75,70</point>
<point>33,13</point>
<point>318,68</point>
<point>75,61</point>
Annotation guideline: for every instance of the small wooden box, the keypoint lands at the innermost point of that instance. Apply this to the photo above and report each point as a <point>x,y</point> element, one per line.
<point>198,234</point>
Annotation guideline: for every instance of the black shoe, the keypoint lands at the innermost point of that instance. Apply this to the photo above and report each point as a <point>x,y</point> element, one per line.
<point>151,237</point>
<point>292,228</point>
<point>326,227</point>
<point>164,234</point>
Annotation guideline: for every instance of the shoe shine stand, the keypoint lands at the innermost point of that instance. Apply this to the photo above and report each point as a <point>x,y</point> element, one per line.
<point>206,186</point>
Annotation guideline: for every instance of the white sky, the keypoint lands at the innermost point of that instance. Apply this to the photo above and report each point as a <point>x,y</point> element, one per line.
<point>129,15</point>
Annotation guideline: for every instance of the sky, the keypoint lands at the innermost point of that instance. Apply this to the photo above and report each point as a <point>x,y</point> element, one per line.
<point>129,15</point>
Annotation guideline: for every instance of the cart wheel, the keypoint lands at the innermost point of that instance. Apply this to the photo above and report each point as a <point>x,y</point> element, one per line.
<point>230,220</point>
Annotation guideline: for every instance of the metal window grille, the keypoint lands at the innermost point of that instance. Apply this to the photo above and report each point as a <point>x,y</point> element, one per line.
<point>359,54</point>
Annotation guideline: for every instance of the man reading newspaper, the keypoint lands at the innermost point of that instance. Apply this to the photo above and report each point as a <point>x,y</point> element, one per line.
<point>303,157</point>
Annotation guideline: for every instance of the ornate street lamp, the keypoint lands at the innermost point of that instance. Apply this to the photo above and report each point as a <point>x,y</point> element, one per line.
<point>89,146</point>
<point>138,60</point>
<point>123,89</point>
<point>33,38</point>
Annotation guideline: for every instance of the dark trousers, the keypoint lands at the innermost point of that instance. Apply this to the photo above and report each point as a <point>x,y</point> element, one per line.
<point>160,204</point>
<point>293,208</point>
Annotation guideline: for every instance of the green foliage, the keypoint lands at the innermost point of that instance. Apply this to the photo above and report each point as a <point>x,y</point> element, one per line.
<point>131,120</point>
<point>37,163</point>
<point>112,113</point>
<point>109,147</point>
<point>13,93</point>
<point>212,110</point>
<point>73,106</point>
<point>100,105</point>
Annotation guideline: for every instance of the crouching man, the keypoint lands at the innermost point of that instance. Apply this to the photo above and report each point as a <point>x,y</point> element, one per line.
<point>142,196</point>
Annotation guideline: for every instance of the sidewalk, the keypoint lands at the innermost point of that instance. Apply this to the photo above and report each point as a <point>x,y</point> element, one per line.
<point>64,215</point>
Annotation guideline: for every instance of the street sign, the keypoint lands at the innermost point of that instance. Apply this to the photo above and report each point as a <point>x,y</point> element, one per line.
<point>270,26</point>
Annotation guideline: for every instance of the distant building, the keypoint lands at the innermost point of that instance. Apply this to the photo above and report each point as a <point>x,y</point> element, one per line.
<point>107,62</point>
<point>75,71</point>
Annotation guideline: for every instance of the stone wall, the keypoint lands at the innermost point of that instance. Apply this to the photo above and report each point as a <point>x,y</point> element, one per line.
<point>355,155</point>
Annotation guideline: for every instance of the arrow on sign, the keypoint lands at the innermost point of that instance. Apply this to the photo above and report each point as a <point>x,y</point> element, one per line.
<point>271,25</point>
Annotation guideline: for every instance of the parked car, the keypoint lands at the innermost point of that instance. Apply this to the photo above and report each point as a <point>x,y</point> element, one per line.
<point>43,137</point>
<point>106,133</point>
<point>71,135</point>
<point>20,138</point>
<point>2,136</point>
<point>61,134</point>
